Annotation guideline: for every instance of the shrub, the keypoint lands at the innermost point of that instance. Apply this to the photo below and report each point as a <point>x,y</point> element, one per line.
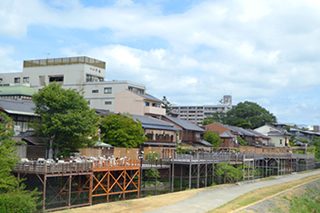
<point>152,155</point>
<point>151,173</point>
<point>19,201</point>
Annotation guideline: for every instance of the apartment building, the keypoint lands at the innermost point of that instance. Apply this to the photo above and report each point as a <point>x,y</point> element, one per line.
<point>78,73</point>
<point>196,114</point>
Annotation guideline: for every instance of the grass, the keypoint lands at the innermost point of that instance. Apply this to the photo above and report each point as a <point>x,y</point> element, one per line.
<point>261,194</point>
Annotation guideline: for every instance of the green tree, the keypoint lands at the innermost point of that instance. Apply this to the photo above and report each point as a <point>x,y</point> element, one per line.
<point>67,120</point>
<point>241,141</point>
<point>217,117</point>
<point>229,173</point>
<point>249,112</point>
<point>316,143</point>
<point>212,138</point>
<point>122,131</point>
<point>166,104</point>
<point>8,156</point>
<point>12,198</point>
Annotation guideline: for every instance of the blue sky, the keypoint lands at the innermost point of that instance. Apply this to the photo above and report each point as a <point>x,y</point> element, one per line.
<point>191,51</point>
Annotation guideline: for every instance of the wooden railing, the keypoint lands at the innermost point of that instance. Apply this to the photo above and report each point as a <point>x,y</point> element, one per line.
<point>66,167</point>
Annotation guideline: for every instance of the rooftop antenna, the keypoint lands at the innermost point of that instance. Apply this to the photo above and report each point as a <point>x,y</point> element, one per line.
<point>47,54</point>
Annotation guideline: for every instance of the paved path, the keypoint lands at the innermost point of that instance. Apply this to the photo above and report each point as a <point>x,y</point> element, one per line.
<point>209,199</point>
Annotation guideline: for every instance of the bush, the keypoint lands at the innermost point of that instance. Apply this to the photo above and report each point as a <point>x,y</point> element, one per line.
<point>19,201</point>
<point>241,141</point>
<point>152,173</point>
<point>153,155</point>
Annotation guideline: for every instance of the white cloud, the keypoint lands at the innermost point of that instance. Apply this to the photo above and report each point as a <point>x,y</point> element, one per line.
<point>252,49</point>
<point>6,63</point>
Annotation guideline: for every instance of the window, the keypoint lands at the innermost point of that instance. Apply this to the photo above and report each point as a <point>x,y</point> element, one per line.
<point>95,91</point>
<point>192,108</point>
<point>0,80</point>
<point>155,105</point>
<point>25,79</point>
<point>146,103</point>
<point>183,107</point>
<point>16,80</point>
<point>107,90</point>
<point>55,79</point>
<point>280,141</point>
<point>107,102</point>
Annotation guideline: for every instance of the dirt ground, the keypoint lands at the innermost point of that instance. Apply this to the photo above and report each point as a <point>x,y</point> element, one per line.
<point>137,205</point>
<point>243,203</point>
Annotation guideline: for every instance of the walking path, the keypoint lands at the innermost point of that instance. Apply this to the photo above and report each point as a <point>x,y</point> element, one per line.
<point>209,199</point>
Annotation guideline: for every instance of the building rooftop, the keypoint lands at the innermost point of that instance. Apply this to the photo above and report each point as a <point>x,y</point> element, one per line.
<point>150,97</point>
<point>184,124</point>
<point>64,61</point>
<point>154,123</point>
<point>17,106</point>
<point>17,90</point>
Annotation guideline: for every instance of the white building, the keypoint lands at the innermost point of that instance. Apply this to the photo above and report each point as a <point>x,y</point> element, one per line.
<point>196,114</point>
<point>78,73</point>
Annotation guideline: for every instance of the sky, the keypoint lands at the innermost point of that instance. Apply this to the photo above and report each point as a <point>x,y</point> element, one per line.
<point>191,51</point>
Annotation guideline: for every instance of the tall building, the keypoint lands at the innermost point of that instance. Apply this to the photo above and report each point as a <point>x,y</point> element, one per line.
<point>78,73</point>
<point>196,114</point>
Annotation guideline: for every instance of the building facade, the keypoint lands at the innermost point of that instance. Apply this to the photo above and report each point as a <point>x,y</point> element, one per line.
<point>196,114</point>
<point>78,73</point>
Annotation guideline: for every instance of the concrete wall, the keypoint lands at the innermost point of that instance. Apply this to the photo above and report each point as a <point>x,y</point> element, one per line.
<point>130,102</point>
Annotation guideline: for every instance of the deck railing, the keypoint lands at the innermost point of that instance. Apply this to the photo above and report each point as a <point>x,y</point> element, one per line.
<point>72,166</point>
<point>44,167</point>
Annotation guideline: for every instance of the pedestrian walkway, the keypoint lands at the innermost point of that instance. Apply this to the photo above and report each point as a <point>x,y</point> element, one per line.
<point>209,199</point>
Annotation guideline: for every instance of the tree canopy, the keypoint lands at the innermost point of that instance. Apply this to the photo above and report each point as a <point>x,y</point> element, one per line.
<point>212,138</point>
<point>12,198</point>
<point>246,114</point>
<point>217,117</point>
<point>252,113</point>
<point>66,118</point>
<point>8,156</point>
<point>166,104</point>
<point>122,131</point>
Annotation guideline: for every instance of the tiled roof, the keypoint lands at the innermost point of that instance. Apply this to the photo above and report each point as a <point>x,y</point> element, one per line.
<point>17,106</point>
<point>205,143</point>
<point>257,133</point>
<point>227,134</point>
<point>154,123</point>
<point>184,124</point>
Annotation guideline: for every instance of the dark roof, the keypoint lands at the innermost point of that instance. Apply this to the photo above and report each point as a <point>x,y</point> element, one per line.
<point>149,97</point>
<point>34,141</point>
<point>103,112</point>
<point>184,124</point>
<point>154,123</point>
<point>17,106</point>
<point>226,134</point>
<point>205,143</point>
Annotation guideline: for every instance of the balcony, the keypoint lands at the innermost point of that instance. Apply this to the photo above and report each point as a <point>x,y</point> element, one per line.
<point>154,110</point>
